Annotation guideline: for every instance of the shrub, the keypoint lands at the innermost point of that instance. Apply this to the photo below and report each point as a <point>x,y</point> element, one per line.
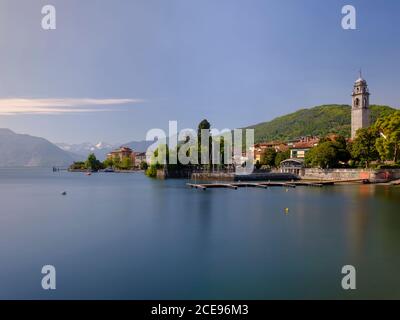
<point>151,171</point>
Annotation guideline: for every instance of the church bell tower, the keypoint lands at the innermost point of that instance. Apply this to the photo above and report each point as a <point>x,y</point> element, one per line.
<point>360,112</point>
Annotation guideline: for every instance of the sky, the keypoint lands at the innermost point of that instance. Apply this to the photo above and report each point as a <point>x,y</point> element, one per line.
<point>114,69</point>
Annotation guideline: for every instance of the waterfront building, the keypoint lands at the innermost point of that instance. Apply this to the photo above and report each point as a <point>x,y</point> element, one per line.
<point>121,153</point>
<point>299,149</point>
<point>360,112</point>
<point>294,166</point>
<point>260,148</point>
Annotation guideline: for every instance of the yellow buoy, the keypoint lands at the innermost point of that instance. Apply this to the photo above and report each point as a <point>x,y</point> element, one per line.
<point>286,210</point>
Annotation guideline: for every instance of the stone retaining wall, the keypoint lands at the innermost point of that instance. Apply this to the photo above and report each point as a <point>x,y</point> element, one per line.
<point>350,174</point>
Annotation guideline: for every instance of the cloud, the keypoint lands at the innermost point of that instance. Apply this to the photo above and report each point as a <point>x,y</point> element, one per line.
<point>15,106</point>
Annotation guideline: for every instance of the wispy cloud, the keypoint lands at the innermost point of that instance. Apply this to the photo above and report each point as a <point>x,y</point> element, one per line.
<point>16,106</point>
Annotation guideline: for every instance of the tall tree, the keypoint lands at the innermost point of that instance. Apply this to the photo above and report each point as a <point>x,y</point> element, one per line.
<point>281,156</point>
<point>204,125</point>
<point>388,144</point>
<point>363,147</point>
<point>92,163</point>
<point>268,157</point>
<point>325,155</point>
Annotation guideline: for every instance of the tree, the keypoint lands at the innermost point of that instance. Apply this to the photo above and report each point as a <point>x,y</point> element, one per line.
<point>388,145</point>
<point>78,165</point>
<point>92,163</point>
<point>343,153</point>
<point>204,125</point>
<point>108,163</point>
<point>363,147</point>
<point>281,156</point>
<point>152,171</point>
<point>160,156</point>
<point>143,165</point>
<point>117,162</point>
<point>268,157</point>
<point>325,155</point>
<point>126,163</point>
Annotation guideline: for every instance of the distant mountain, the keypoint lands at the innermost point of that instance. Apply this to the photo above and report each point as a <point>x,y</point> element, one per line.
<point>139,146</point>
<point>317,121</point>
<point>22,150</point>
<point>84,149</point>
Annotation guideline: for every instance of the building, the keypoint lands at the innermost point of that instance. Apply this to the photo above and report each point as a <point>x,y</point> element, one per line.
<point>298,150</point>
<point>260,148</point>
<point>139,158</point>
<point>360,112</point>
<point>294,166</point>
<point>121,153</point>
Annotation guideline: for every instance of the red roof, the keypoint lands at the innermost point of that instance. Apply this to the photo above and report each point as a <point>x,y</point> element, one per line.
<point>304,145</point>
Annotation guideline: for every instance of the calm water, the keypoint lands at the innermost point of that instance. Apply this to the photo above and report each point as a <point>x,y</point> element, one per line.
<point>129,237</point>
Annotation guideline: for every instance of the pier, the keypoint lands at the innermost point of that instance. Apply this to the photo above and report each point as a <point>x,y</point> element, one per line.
<point>267,184</point>
<point>395,183</point>
<point>236,185</point>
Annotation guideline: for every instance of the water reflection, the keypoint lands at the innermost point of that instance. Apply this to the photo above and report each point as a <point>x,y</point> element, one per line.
<point>142,238</point>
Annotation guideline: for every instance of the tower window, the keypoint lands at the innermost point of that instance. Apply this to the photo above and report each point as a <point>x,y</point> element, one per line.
<point>357,102</point>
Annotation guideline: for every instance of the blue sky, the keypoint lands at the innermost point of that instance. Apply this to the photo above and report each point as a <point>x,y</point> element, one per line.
<point>144,62</point>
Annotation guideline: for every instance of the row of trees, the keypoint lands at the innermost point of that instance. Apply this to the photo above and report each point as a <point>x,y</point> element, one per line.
<point>193,152</point>
<point>271,158</point>
<point>93,164</point>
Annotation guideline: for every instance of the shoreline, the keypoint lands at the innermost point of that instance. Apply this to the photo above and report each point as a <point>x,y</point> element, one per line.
<point>101,171</point>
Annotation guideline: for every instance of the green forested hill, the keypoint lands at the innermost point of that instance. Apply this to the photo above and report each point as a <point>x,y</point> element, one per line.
<point>318,121</point>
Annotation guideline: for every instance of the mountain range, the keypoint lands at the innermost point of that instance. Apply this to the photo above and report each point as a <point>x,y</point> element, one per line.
<point>21,150</point>
<point>102,148</point>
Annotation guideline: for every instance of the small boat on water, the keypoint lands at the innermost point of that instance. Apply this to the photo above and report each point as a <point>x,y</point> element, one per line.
<point>64,193</point>
<point>88,173</point>
<point>109,170</point>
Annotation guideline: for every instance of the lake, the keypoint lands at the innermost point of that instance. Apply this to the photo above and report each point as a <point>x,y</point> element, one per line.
<point>125,236</point>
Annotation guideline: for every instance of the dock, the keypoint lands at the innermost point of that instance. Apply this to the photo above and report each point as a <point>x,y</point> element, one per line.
<point>267,184</point>
<point>236,185</point>
<point>395,183</point>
